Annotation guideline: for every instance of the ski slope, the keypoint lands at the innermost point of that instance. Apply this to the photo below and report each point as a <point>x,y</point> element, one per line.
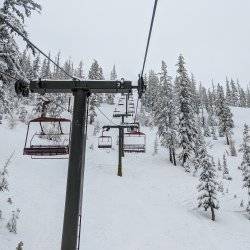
<point>152,207</point>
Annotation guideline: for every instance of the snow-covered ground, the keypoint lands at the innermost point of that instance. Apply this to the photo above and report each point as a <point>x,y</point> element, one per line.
<point>152,207</point>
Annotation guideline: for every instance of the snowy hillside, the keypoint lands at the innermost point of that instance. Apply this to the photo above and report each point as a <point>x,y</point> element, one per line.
<point>152,207</point>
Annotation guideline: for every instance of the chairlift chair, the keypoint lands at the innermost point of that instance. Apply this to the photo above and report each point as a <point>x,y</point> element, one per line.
<point>41,145</point>
<point>136,127</point>
<point>116,113</point>
<point>134,142</point>
<point>104,142</point>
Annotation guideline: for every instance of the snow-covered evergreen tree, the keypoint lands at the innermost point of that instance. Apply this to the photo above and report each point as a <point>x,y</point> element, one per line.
<point>92,106</point>
<point>225,116</point>
<point>245,149</point>
<point>234,94</point>
<point>208,185</point>
<point>96,73</point>
<point>152,91</point>
<point>196,98</point>
<point>198,149</point>
<point>110,97</point>
<point>248,98</point>
<point>36,67</point>
<point>79,71</point>
<point>165,112</point>
<point>15,12</point>
<point>12,223</point>
<point>207,132</point>
<point>228,93</point>
<point>20,246</point>
<point>213,133</point>
<point>187,123</point>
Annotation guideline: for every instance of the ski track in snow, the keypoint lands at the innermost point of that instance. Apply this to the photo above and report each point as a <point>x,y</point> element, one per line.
<point>152,207</point>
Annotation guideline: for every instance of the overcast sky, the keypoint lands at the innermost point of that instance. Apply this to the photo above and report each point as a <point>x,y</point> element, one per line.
<point>213,35</point>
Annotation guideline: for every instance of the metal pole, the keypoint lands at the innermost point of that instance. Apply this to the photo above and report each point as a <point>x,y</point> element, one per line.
<point>127,95</point>
<point>75,173</point>
<point>119,173</point>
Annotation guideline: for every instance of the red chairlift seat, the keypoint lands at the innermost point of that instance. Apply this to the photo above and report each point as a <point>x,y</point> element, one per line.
<point>134,142</point>
<point>36,150</point>
<point>104,142</point>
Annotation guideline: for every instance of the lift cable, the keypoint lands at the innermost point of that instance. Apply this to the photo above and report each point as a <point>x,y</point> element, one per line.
<point>35,47</point>
<point>147,47</point>
<point>149,37</point>
<point>106,117</point>
<point>136,109</point>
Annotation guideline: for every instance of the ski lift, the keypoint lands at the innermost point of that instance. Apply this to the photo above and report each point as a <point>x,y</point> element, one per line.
<point>51,144</point>
<point>104,142</point>
<point>116,113</point>
<point>135,128</point>
<point>131,111</point>
<point>134,142</point>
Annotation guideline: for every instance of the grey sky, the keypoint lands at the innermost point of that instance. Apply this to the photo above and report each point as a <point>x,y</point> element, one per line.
<point>213,35</point>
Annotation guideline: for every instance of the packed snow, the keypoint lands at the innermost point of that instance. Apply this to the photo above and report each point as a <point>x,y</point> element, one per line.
<point>153,206</point>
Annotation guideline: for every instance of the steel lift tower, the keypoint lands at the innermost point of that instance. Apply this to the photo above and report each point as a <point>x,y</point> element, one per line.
<point>81,90</point>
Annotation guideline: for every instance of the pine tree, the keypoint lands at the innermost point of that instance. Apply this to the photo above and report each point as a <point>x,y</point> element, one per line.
<point>187,124</point>
<point>20,246</point>
<point>243,98</point>
<point>225,116</point>
<point>79,71</point>
<point>234,94</point>
<point>152,92</point>
<point>213,132</point>
<point>96,73</point>
<point>245,149</point>
<point>198,150</point>
<point>248,98</point>
<point>207,198</point>
<point>196,99</point>
<point>36,66</point>
<point>92,112</point>
<point>16,12</point>
<point>110,97</point>
<point>12,223</point>
<point>246,180</point>
<point>207,130</point>
<point>228,93</point>
<point>165,113</point>
<point>57,73</point>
